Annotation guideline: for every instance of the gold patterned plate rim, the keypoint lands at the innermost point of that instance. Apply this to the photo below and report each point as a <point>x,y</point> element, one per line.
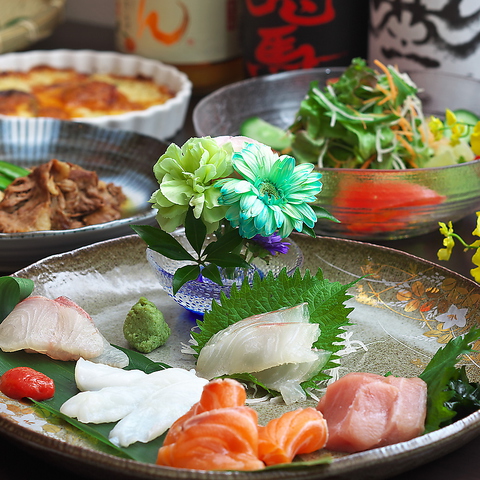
<point>422,302</point>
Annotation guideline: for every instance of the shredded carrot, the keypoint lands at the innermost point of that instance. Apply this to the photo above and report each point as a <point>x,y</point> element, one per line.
<point>393,88</point>
<point>367,162</point>
<point>406,145</point>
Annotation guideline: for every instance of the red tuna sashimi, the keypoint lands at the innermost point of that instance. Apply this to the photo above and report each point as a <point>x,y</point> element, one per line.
<point>219,393</point>
<point>58,328</point>
<point>300,431</point>
<point>365,411</point>
<point>220,439</point>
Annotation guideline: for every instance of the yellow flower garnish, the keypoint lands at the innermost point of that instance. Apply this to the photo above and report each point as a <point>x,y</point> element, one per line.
<point>477,228</point>
<point>475,272</point>
<point>450,117</point>
<point>448,242</point>
<point>475,139</point>
<point>436,127</point>
<point>457,133</point>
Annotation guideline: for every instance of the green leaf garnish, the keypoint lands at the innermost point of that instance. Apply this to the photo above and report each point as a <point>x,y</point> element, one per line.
<point>183,275</point>
<point>195,231</point>
<point>12,291</point>
<point>438,375</point>
<point>162,242</point>
<point>325,302</point>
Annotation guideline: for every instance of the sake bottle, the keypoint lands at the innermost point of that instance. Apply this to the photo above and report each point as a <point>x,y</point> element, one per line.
<point>199,37</point>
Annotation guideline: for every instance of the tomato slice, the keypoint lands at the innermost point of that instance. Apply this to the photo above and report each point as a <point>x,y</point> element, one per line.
<point>383,206</point>
<point>25,382</point>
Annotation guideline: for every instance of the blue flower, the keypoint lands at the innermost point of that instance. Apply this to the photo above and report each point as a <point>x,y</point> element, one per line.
<point>272,195</point>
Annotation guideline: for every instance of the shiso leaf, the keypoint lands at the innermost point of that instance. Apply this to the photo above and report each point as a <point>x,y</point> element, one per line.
<point>325,302</point>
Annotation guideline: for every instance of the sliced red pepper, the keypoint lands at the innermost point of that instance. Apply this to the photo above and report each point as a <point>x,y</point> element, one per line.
<point>25,382</point>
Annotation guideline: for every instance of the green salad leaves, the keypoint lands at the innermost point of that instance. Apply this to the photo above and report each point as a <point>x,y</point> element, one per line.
<point>365,119</point>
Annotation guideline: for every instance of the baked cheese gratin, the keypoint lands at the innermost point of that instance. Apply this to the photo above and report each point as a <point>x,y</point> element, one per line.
<point>45,91</point>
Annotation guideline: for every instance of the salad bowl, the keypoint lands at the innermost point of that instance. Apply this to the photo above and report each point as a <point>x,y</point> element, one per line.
<point>370,204</point>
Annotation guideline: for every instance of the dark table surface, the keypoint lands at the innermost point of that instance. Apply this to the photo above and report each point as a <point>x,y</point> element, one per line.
<point>17,463</point>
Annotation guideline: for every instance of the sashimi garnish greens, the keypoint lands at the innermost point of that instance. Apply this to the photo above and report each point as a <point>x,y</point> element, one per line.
<point>325,303</point>
<point>450,394</point>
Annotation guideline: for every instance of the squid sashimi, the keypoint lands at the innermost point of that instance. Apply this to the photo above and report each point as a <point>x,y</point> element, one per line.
<point>58,328</point>
<point>220,393</point>
<point>145,405</point>
<point>365,411</point>
<point>263,342</point>
<point>220,439</point>
<point>93,376</point>
<point>156,414</point>
<point>109,404</point>
<point>296,432</point>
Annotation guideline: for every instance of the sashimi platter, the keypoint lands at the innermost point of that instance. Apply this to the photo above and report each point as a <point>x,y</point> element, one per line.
<point>355,367</point>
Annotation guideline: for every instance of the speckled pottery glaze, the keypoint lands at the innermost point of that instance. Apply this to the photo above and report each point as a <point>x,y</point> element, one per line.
<point>405,309</point>
<point>124,158</point>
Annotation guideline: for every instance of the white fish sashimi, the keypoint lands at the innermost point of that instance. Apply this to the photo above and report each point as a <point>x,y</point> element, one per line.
<point>46,326</point>
<point>260,342</point>
<point>58,328</point>
<point>92,376</point>
<point>258,347</point>
<point>287,378</point>
<point>276,347</point>
<point>157,414</point>
<point>109,404</point>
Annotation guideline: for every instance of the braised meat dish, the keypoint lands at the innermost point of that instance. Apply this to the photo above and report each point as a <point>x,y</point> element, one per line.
<point>58,196</point>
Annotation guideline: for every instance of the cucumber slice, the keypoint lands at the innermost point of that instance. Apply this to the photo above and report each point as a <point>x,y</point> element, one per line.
<point>466,116</point>
<point>266,133</point>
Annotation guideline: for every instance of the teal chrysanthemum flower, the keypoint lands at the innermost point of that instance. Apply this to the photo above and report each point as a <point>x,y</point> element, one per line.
<point>186,177</point>
<point>273,194</point>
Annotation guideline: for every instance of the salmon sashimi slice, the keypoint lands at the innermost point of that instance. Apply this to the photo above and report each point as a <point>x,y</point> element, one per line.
<point>296,432</point>
<point>220,439</point>
<point>219,393</point>
<point>365,411</point>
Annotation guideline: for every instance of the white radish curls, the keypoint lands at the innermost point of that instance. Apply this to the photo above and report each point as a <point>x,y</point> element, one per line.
<point>275,346</point>
<point>58,328</point>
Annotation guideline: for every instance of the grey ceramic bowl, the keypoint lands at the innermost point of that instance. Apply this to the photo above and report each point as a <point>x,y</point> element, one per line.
<point>371,204</point>
<point>124,158</point>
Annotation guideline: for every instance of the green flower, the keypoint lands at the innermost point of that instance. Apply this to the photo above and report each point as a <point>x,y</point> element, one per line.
<point>187,176</point>
<point>273,194</point>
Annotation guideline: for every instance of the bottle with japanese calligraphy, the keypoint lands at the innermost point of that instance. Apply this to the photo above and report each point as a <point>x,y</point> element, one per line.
<point>199,37</point>
<point>281,35</point>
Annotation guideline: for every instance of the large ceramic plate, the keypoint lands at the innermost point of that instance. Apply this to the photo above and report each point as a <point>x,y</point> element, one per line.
<point>404,311</point>
<point>124,158</point>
